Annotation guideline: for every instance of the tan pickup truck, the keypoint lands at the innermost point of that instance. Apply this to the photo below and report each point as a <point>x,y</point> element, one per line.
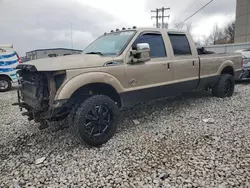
<point>116,71</point>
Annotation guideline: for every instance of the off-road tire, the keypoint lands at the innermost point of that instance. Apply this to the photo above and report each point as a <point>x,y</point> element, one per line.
<point>43,124</point>
<point>80,125</point>
<point>8,81</point>
<point>224,87</point>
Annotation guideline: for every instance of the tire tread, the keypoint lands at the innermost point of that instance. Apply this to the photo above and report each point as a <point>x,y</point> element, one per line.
<point>217,89</point>
<point>82,107</point>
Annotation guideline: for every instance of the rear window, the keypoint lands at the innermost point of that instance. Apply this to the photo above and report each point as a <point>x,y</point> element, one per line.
<point>180,44</point>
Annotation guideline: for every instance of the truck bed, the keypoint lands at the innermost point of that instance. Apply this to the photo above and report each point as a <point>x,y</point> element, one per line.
<point>211,62</point>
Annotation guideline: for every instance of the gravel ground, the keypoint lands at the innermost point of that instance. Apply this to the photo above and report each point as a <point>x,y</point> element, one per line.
<point>171,147</point>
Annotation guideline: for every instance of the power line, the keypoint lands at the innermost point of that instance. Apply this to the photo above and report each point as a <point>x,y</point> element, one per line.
<point>185,10</point>
<point>195,13</point>
<point>189,6</point>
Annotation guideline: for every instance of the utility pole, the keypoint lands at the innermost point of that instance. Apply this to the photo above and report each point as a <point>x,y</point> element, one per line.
<point>162,16</point>
<point>156,17</point>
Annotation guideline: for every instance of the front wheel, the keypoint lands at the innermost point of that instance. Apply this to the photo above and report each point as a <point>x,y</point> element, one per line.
<point>224,87</point>
<point>96,120</point>
<point>5,84</point>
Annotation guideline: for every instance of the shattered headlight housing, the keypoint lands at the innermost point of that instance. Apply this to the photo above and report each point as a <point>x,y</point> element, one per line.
<point>59,77</point>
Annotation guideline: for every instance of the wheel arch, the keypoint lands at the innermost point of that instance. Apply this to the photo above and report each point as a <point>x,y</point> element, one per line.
<point>6,76</point>
<point>96,89</point>
<point>228,70</point>
<point>97,82</point>
<point>227,67</point>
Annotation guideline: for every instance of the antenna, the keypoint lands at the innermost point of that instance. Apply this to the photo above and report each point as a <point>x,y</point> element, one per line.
<point>71,35</point>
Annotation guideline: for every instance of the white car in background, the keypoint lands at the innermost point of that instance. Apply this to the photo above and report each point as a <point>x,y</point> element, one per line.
<point>246,63</point>
<point>9,59</point>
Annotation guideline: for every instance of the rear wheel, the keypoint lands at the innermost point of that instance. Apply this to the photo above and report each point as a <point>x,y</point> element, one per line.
<point>224,87</point>
<point>5,84</point>
<point>96,120</point>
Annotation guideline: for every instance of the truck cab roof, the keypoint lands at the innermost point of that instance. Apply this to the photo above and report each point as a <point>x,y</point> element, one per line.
<point>148,29</point>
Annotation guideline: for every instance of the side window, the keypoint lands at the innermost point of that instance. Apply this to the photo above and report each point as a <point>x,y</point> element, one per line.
<point>155,41</point>
<point>180,44</point>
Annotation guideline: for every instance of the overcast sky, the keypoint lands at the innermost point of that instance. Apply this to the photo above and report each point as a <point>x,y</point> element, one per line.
<point>33,24</point>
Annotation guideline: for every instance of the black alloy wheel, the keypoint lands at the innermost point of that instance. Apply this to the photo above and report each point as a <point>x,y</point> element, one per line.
<point>96,120</point>
<point>227,87</point>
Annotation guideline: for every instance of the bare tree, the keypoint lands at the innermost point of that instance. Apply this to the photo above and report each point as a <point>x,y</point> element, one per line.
<point>216,36</point>
<point>229,32</point>
<point>206,40</point>
<point>221,36</point>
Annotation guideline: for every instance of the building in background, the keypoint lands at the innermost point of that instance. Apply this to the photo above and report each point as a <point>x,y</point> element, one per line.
<point>24,59</point>
<point>52,52</point>
<point>242,23</point>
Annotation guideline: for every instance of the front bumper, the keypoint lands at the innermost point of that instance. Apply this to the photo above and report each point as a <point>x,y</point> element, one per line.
<point>244,74</point>
<point>237,74</point>
<point>59,109</point>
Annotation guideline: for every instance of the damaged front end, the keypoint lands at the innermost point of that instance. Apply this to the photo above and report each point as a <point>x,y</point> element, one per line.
<point>37,91</point>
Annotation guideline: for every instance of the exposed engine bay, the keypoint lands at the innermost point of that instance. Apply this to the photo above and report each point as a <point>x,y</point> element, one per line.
<point>37,91</point>
<point>34,90</point>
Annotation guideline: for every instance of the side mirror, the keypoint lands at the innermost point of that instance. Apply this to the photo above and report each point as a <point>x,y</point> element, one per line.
<point>141,54</point>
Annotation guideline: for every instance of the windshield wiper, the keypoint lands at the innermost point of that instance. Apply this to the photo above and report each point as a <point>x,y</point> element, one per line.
<point>99,53</point>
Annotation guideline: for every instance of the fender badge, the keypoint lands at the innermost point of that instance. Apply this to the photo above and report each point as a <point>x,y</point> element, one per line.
<point>132,82</point>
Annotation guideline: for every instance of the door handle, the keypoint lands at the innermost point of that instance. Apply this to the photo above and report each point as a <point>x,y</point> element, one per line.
<point>193,64</point>
<point>169,66</point>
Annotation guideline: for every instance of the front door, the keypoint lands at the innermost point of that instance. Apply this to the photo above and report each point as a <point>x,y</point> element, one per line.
<point>151,79</point>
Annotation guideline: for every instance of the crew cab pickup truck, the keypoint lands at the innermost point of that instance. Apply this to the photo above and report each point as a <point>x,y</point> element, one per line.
<point>116,71</point>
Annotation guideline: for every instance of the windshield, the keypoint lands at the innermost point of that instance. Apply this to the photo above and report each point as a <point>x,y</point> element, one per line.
<point>110,44</point>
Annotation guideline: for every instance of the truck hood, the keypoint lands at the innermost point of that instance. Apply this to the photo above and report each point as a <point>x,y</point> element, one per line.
<point>69,62</point>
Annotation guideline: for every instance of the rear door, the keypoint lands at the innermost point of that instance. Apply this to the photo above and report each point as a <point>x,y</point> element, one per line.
<point>185,63</point>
